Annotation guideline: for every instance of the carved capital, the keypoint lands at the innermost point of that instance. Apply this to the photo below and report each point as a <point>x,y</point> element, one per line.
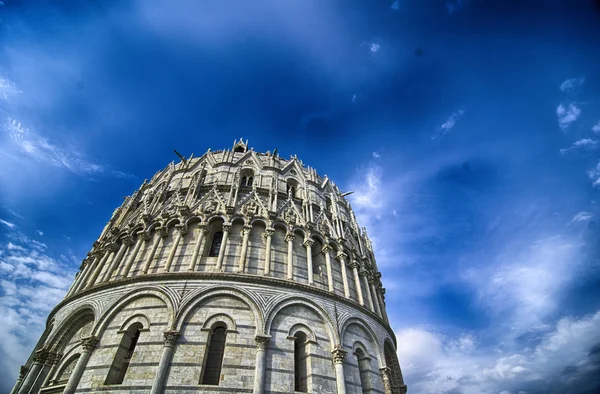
<point>338,355</point>
<point>227,227</point>
<point>262,341</point>
<point>41,356</point>
<point>143,236</point>
<point>163,231</point>
<point>353,265</point>
<point>341,240</point>
<point>342,256</point>
<point>247,229</point>
<point>182,229</point>
<point>326,249</point>
<point>112,247</point>
<point>171,337</point>
<point>23,371</point>
<point>289,237</point>
<point>128,240</point>
<point>308,242</point>
<point>269,232</point>
<point>364,273</point>
<point>89,343</point>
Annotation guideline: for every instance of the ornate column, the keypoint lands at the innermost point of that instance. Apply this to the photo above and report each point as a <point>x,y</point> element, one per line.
<point>385,375</point>
<point>342,259</point>
<point>165,362</point>
<point>117,260</point>
<point>268,235</point>
<point>338,355</point>
<point>54,359</point>
<point>371,280</point>
<point>364,275</point>
<point>109,250</point>
<point>198,246</point>
<point>354,267</point>
<point>141,238</point>
<point>262,342</point>
<point>39,359</point>
<point>226,230</point>
<point>88,263</point>
<point>246,232</point>
<point>88,344</point>
<point>51,359</point>
<point>181,230</point>
<point>327,250</point>
<point>289,237</point>
<point>22,374</point>
<point>159,234</point>
<point>309,263</point>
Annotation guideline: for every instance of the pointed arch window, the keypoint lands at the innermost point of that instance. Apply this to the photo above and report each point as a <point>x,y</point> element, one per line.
<point>300,363</point>
<point>215,246</point>
<point>125,352</point>
<point>213,359</point>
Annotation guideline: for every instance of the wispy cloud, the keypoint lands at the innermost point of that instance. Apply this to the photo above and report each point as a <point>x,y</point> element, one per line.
<point>596,128</point>
<point>7,223</point>
<point>594,175</point>
<point>572,85</point>
<point>8,89</point>
<point>582,217</point>
<point>567,115</point>
<point>447,125</point>
<point>376,155</point>
<point>585,144</point>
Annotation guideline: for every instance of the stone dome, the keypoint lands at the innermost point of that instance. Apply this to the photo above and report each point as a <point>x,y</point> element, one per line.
<point>236,272</point>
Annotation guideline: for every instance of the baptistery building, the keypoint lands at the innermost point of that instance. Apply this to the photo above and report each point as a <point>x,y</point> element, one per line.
<point>233,272</point>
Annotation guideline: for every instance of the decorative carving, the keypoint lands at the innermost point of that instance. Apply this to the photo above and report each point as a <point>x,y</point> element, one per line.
<point>308,242</point>
<point>247,229</point>
<point>143,236</point>
<point>269,232</point>
<point>171,337</point>
<point>338,355</point>
<point>23,371</point>
<point>128,240</point>
<point>112,247</point>
<point>41,356</point>
<point>163,231</point>
<point>289,237</point>
<point>227,227</point>
<point>88,344</point>
<point>262,341</point>
<point>182,229</point>
<point>326,249</point>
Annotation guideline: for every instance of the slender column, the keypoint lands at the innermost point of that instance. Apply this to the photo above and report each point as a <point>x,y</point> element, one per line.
<point>385,375</point>
<point>380,295</point>
<point>246,231</point>
<point>73,285</point>
<point>354,266</point>
<point>117,260</point>
<point>54,359</point>
<point>141,238</point>
<point>198,246</point>
<point>338,360</point>
<point>371,281</point>
<point>226,230</point>
<point>39,359</point>
<point>181,230</point>
<point>289,237</point>
<point>165,361</point>
<point>262,342</point>
<point>100,265</point>
<point>160,233</point>
<point>342,259</point>
<point>309,263</point>
<point>22,374</point>
<point>327,250</point>
<point>43,375</point>
<point>364,275</point>
<point>268,235</point>
<point>85,273</point>
<point>88,344</point>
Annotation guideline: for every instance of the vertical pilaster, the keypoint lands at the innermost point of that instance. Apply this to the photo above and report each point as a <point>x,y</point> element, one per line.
<point>364,275</point>
<point>338,355</point>
<point>141,238</point>
<point>262,342</point>
<point>165,361</point>
<point>125,242</point>
<point>22,374</point>
<point>181,230</point>
<point>198,246</point>
<point>376,305</point>
<point>354,266</point>
<point>226,230</point>
<point>39,359</point>
<point>342,259</point>
<point>88,262</point>
<point>327,250</point>
<point>289,237</point>
<point>243,257</point>
<point>107,252</point>
<point>309,263</point>
<point>88,344</point>
<point>385,376</point>
<point>268,235</point>
<point>159,234</point>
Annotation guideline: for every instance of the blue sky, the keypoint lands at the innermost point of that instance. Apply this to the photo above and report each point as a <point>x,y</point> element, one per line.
<point>469,131</point>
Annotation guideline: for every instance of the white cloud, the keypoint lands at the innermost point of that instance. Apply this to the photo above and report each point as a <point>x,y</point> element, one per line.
<point>572,85</point>
<point>582,217</point>
<point>585,144</point>
<point>7,223</point>
<point>435,363</point>
<point>376,155</point>
<point>567,115</point>
<point>447,125</point>
<point>40,233</point>
<point>374,47</point>
<point>594,175</point>
<point>596,128</point>
<point>8,89</point>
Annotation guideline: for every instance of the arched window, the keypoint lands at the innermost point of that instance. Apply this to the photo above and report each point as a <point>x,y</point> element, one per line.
<point>215,246</point>
<point>391,361</point>
<point>125,351</point>
<point>249,181</point>
<point>292,187</point>
<point>364,367</point>
<point>300,363</point>
<point>214,355</point>
<point>64,375</point>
